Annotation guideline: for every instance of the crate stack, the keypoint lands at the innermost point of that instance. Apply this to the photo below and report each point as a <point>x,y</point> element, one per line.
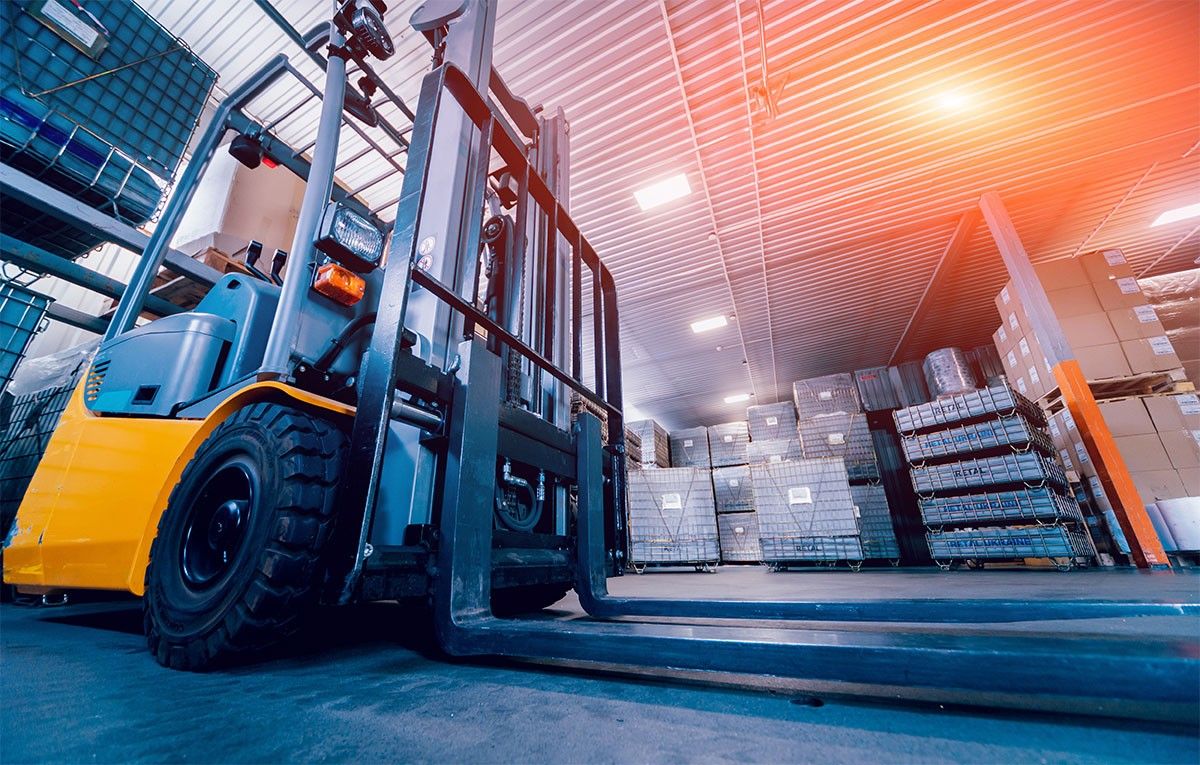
<point>990,489</point>
<point>736,522</point>
<point>671,518</point>
<point>653,444</point>
<point>832,424</point>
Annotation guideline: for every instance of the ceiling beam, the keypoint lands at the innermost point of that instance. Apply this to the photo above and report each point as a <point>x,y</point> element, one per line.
<point>938,282</point>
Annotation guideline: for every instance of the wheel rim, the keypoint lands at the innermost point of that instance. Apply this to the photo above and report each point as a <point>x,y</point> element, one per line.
<point>216,526</point>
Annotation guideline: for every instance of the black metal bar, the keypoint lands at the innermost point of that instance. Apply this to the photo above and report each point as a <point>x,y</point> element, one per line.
<point>473,234</point>
<point>577,310</point>
<point>598,333</point>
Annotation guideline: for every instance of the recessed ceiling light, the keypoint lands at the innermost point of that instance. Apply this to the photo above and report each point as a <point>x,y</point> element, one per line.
<point>704,325</point>
<point>737,398</point>
<point>1179,213</point>
<point>661,192</point>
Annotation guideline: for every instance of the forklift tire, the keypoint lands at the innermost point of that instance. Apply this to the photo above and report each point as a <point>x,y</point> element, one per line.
<point>237,558</point>
<point>514,601</point>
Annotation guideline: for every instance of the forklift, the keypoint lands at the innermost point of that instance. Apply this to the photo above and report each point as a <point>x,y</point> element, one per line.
<point>390,419</point>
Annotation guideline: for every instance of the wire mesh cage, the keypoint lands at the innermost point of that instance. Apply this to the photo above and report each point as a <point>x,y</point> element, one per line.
<point>21,313</point>
<point>672,519</point>
<point>771,422</point>
<point>727,443</point>
<point>806,499</point>
<point>689,448</point>
<point>842,434</point>
<point>1014,432</point>
<point>739,537</point>
<point>875,522</point>
<point>1030,469</point>
<point>1042,505</point>
<point>826,395</point>
<point>779,450</point>
<point>949,410</point>
<point>654,444</point>
<point>1010,543</point>
<point>733,489</point>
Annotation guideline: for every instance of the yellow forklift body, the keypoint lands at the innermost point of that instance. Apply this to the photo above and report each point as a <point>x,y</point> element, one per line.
<point>92,509</point>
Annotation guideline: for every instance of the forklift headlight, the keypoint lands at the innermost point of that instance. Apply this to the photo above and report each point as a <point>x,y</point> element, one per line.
<point>350,239</point>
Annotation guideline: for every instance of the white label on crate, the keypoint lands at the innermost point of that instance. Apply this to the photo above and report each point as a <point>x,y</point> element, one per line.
<point>687,442</point>
<point>1114,257</point>
<point>776,458</point>
<point>772,421</point>
<point>1024,346</point>
<point>739,529</point>
<point>1161,346</point>
<point>1021,385</point>
<point>727,439</point>
<point>1012,359</point>
<point>836,438</point>
<point>800,495</point>
<point>857,512</point>
<point>733,483</point>
<point>1081,453</point>
<point>1146,314</point>
<point>1066,459</point>
<point>1002,333</point>
<point>1004,296</point>
<point>1012,322</point>
<point>1054,431</point>
<point>70,24</point>
<point>672,502</point>
<point>1128,285</point>
<point>1033,376</point>
<point>1188,403</point>
<point>825,395</point>
<point>1068,420</point>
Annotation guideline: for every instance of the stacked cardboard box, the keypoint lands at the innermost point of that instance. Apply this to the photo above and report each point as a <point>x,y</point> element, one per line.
<point>1111,329</point>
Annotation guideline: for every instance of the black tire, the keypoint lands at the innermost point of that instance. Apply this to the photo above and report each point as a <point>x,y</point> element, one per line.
<point>513,601</point>
<point>232,574</point>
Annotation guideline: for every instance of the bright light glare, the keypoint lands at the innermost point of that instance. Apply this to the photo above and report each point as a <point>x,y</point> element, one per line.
<point>737,398</point>
<point>1179,213</point>
<point>953,100</point>
<point>661,192</point>
<point>705,325</point>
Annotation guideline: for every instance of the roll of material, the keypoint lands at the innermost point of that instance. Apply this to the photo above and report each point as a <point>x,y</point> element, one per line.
<point>947,372</point>
<point>1182,518</point>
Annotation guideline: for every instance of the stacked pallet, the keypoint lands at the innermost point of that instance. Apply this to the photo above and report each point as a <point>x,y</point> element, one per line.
<point>729,447</point>
<point>832,424</point>
<point>989,486</point>
<point>653,444</point>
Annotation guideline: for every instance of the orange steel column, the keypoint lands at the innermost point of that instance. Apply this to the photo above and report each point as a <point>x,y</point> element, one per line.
<point>1144,545</point>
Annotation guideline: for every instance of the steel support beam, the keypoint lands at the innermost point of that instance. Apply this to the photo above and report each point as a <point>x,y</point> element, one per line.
<point>68,209</point>
<point>78,319</point>
<point>1145,547</point>
<point>938,283</point>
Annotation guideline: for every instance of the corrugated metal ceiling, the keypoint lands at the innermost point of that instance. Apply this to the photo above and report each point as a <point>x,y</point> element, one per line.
<point>817,227</point>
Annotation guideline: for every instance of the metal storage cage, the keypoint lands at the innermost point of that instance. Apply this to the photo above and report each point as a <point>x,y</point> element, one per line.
<point>801,501</point>
<point>733,489</point>
<point>771,422</point>
<point>781,450</point>
<point>672,521</point>
<point>826,395</point>
<point>781,551</point>
<point>654,442</point>
<point>739,537</point>
<point>21,313</point>
<point>1030,469</point>
<point>1014,431</point>
<point>877,533</point>
<point>996,400</point>
<point>1042,505</point>
<point>1071,547</point>
<point>875,389</point>
<point>908,382</point>
<point>689,448</point>
<point>844,435</point>
<point>727,443</point>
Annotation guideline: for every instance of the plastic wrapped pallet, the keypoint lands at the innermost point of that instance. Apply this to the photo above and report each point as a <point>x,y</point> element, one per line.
<point>771,422</point>
<point>780,450</point>
<point>654,442</point>
<point>739,537</point>
<point>948,373</point>
<point>844,435</point>
<point>689,448</point>
<point>805,500</point>
<point>875,522</point>
<point>908,382</point>
<point>727,443</point>
<point>733,489</point>
<point>671,517</point>
<point>875,389</point>
<point>826,395</point>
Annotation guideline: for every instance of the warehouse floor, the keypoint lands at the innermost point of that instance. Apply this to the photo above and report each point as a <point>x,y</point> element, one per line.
<point>366,684</point>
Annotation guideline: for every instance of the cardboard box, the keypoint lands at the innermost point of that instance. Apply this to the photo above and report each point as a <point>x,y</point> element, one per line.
<point>1152,354</point>
<point>1190,478</point>
<point>1003,339</point>
<point>1061,273</point>
<point>1005,299</point>
<point>1154,485</point>
<point>1119,292</point>
<point>1101,361</point>
<point>1182,447</point>
<point>1136,322</point>
<point>1087,329</point>
<point>1083,460</point>
<point>1143,452</point>
<point>1074,301</point>
<point>1102,265</point>
<point>1127,417</point>
<point>1178,412</point>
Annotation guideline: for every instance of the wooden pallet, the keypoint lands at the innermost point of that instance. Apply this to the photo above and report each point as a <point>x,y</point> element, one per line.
<point>1167,383</point>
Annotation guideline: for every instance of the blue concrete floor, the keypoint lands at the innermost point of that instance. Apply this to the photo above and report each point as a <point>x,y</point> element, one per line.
<point>366,684</point>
